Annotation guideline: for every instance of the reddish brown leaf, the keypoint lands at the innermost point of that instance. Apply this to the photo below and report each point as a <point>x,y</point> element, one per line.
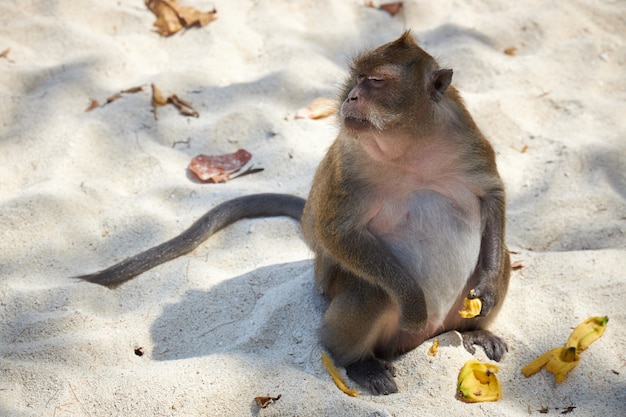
<point>264,402</point>
<point>94,104</point>
<point>218,168</point>
<point>391,8</point>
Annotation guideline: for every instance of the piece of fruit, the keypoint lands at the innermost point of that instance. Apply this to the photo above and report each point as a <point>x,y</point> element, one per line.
<point>587,332</point>
<point>478,382</point>
<point>558,361</point>
<point>561,364</point>
<point>471,308</point>
<point>535,365</point>
<point>336,375</point>
<point>561,360</point>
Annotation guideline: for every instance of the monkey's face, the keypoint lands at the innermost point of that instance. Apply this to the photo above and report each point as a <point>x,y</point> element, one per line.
<point>372,99</point>
<point>391,88</point>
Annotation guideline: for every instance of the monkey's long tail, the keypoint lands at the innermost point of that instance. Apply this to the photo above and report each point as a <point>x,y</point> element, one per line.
<point>256,205</point>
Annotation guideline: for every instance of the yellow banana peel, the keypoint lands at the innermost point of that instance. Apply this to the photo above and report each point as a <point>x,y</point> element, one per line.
<point>561,360</point>
<point>471,308</point>
<point>478,382</point>
<point>587,332</point>
<point>336,376</point>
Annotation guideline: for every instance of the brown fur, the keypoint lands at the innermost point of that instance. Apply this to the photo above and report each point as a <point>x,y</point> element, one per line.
<point>406,216</point>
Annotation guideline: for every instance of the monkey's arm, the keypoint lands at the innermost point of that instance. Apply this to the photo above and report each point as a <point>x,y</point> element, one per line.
<point>493,258</point>
<point>362,253</point>
<point>257,205</point>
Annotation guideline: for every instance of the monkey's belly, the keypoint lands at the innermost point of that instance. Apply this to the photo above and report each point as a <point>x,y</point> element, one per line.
<point>437,238</point>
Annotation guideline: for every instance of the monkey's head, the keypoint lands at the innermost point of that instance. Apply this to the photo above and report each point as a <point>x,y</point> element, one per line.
<point>395,86</point>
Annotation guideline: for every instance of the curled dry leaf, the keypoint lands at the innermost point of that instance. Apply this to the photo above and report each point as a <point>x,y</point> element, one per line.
<point>113,98</point>
<point>218,168</point>
<point>172,17</point>
<point>95,103</point>
<point>157,97</point>
<point>264,402</point>
<point>517,265</point>
<point>5,54</point>
<point>92,105</point>
<point>183,106</point>
<point>118,95</point>
<point>318,109</point>
<point>511,51</point>
<point>158,100</point>
<point>522,150</point>
<point>132,90</point>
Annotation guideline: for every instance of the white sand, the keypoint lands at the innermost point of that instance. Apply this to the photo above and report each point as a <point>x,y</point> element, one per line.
<point>238,317</point>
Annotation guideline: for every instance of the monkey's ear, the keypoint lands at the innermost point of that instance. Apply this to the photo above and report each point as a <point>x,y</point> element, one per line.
<point>439,83</point>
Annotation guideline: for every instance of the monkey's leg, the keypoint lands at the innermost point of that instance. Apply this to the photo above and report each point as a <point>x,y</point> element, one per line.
<point>360,324</point>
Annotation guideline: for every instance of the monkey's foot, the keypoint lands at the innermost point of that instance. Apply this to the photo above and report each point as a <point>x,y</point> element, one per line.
<point>375,375</point>
<point>493,346</point>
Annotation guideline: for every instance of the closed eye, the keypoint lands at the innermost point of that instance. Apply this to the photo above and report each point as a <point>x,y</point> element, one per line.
<point>375,81</point>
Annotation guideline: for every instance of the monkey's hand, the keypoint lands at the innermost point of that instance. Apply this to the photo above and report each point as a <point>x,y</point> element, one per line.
<point>486,295</point>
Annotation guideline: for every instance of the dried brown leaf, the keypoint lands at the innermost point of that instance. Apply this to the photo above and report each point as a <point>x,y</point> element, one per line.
<point>172,17</point>
<point>94,104</point>
<point>168,22</point>
<point>511,51</point>
<point>264,402</point>
<point>318,109</point>
<point>5,53</point>
<point>193,17</point>
<point>391,8</point>
<point>132,90</point>
<point>113,98</point>
<point>157,97</point>
<point>517,265</point>
<point>183,106</point>
<point>218,168</point>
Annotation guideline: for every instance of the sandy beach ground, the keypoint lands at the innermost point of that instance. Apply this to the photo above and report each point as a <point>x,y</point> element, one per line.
<point>237,318</point>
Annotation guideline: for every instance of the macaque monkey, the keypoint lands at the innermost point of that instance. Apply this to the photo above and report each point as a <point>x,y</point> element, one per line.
<point>405,216</point>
